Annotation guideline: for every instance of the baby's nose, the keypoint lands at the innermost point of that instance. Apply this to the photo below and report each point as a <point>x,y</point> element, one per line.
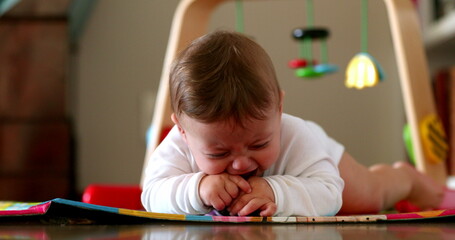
<point>241,163</point>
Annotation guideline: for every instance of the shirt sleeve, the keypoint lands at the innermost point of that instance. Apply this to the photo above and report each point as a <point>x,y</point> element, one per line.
<point>305,180</point>
<point>172,179</point>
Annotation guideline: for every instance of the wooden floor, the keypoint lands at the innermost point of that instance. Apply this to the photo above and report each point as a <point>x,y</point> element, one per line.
<point>372,231</point>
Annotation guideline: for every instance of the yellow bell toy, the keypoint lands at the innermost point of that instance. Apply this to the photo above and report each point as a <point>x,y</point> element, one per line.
<point>363,70</point>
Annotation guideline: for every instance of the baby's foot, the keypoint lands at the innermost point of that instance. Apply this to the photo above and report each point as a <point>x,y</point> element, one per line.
<point>425,193</point>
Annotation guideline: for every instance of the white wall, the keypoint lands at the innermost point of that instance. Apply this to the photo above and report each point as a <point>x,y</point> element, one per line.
<point>120,60</point>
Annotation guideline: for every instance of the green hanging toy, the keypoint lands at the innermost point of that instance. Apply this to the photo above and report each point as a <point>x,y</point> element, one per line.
<point>305,66</point>
<point>239,23</point>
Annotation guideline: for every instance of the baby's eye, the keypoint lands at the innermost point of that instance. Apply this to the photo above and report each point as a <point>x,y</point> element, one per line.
<point>218,155</point>
<point>259,146</point>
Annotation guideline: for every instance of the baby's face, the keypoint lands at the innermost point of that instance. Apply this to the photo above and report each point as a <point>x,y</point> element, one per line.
<point>224,147</point>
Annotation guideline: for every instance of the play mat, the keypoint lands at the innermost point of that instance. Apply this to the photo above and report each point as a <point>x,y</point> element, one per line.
<point>62,211</point>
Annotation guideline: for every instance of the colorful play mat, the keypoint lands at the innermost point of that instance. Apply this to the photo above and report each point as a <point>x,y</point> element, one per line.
<point>62,211</point>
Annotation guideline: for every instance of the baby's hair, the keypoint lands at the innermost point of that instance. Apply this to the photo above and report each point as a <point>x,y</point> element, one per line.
<point>223,75</point>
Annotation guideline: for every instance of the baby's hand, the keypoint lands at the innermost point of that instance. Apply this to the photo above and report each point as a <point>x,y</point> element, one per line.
<point>219,190</point>
<point>261,198</point>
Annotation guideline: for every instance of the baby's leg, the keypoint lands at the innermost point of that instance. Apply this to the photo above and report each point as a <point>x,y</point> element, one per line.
<point>370,190</point>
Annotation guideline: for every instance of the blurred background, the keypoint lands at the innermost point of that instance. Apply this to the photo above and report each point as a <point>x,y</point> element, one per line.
<point>78,82</point>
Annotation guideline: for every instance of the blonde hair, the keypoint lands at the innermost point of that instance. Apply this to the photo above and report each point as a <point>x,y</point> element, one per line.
<point>223,75</point>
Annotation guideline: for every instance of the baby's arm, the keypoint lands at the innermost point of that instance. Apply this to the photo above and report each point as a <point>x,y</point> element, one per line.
<point>316,191</point>
<point>173,194</point>
<point>172,179</point>
<point>219,190</point>
<point>305,180</point>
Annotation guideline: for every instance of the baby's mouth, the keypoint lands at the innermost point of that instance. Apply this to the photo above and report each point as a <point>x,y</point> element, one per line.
<point>249,174</point>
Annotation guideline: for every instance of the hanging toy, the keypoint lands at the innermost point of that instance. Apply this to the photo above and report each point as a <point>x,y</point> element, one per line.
<point>363,70</point>
<point>239,19</point>
<point>305,65</point>
<point>434,139</point>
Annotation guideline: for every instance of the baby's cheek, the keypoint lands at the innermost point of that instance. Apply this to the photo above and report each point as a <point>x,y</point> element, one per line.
<point>268,159</point>
<point>212,168</point>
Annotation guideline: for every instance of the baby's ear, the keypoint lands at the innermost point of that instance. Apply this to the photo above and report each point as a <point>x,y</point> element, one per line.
<point>179,126</point>
<point>281,100</point>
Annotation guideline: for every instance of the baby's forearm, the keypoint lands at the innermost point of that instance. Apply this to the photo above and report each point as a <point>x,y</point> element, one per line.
<point>173,195</point>
<point>306,196</point>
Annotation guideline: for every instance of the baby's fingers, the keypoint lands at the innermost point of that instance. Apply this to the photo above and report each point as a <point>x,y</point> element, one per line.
<point>268,209</point>
<point>265,207</point>
<point>226,197</point>
<point>240,183</point>
<point>218,203</point>
<point>238,204</point>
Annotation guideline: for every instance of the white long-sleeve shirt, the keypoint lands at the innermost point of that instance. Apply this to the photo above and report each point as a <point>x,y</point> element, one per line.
<point>305,178</point>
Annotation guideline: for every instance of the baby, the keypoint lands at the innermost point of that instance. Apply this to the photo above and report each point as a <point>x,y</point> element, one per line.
<point>232,148</point>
